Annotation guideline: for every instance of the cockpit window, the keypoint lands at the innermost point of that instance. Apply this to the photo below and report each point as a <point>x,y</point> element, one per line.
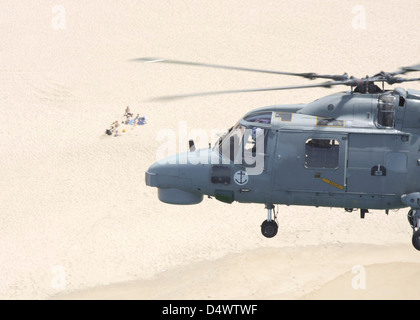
<point>386,110</point>
<point>230,144</point>
<point>243,145</point>
<point>264,117</point>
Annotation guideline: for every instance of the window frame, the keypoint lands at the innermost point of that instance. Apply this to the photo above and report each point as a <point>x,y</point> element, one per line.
<point>334,142</point>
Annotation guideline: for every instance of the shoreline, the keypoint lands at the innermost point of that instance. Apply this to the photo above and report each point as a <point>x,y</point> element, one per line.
<point>282,273</point>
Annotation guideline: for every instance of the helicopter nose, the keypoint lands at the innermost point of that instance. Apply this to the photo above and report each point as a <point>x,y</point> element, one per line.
<point>181,169</point>
<point>178,178</point>
<point>165,172</point>
<point>160,172</point>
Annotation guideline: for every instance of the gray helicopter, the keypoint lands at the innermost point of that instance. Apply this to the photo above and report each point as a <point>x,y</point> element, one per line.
<point>356,150</point>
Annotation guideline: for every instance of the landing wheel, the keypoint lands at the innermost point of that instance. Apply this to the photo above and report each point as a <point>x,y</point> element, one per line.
<point>414,223</point>
<point>410,218</point>
<point>269,228</point>
<point>416,239</point>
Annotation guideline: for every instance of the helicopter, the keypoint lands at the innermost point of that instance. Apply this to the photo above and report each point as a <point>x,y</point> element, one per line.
<point>357,149</point>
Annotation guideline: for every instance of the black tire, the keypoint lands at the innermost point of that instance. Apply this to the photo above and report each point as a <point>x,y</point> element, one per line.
<point>410,218</point>
<point>269,228</point>
<point>416,239</point>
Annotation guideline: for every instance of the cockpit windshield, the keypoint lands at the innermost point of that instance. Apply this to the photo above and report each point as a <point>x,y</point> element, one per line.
<point>230,144</point>
<point>243,144</point>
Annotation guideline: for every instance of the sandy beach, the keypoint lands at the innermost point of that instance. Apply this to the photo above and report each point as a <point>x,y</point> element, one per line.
<point>76,218</point>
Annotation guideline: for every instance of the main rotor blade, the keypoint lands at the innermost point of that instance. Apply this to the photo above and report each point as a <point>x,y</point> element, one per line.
<point>327,84</point>
<point>405,70</point>
<point>309,75</point>
<point>401,80</point>
<point>390,78</point>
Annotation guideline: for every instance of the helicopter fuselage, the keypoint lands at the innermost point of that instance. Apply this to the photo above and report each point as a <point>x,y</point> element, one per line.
<point>348,150</point>
<point>357,149</point>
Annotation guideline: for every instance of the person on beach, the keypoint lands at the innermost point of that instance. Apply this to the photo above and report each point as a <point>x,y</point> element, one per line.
<point>128,112</point>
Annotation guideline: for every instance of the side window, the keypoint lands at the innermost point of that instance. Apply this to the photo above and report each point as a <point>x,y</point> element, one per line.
<point>322,153</point>
<point>386,111</point>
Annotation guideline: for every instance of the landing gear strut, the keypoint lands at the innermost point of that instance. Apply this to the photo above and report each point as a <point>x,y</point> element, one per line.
<point>414,220</point>
<point>270,227</point>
